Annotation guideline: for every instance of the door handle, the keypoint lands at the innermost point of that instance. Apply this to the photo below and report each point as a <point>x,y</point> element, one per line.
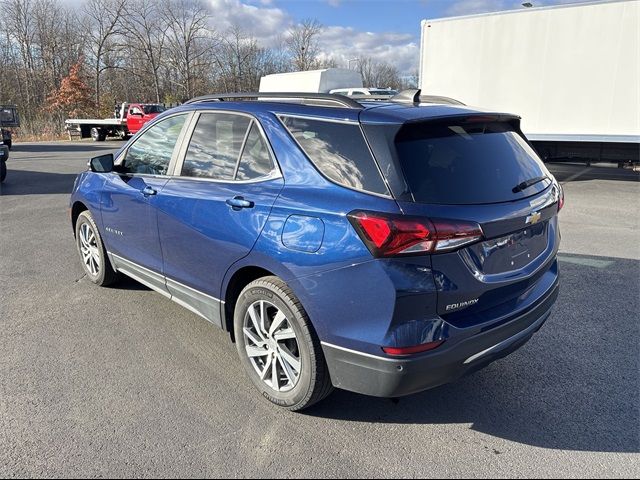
<point>238,203</point>
<point>146,191</point>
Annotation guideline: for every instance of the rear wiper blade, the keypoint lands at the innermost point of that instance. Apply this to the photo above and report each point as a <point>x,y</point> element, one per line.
<point>528,183</point>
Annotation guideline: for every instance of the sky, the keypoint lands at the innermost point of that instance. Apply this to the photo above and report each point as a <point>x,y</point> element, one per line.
<point>386,30</point>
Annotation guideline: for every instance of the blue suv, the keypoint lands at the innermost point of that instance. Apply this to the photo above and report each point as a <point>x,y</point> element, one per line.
<point>382,247</point>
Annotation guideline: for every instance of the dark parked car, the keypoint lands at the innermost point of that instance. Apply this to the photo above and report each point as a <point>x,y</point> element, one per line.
<point>9,118</point>
<point>4,156</point>
<point>379,247</point>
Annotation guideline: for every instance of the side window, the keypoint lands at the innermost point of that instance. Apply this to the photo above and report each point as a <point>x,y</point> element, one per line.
<point>152,152</point>
<point>256,160</point>
<point>215,146</point>
<point>339,151</point>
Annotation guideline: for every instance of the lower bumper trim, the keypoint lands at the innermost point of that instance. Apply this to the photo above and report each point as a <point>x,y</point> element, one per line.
<point>386,377</point>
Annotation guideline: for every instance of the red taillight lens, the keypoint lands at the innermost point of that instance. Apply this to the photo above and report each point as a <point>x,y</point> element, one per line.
<point>377,229</point>
<point>401,351</point>
<point>388,235</point>
<point>560,197</point>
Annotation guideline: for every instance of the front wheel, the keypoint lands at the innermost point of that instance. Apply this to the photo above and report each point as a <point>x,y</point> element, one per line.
<point>3,170</point>
<point>278,346</point>
<point>92,252</point>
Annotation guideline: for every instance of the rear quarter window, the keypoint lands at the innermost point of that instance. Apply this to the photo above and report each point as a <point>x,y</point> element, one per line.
<point>339,151</point>
<point>467,163</point>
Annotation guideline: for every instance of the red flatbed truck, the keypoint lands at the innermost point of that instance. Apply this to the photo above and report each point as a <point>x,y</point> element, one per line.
<point>128,119</point>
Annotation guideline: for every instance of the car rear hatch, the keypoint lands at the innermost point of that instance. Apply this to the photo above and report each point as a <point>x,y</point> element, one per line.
<point>493,206</point>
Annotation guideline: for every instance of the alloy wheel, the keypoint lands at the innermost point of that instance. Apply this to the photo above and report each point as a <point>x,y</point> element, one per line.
<point>89,249</point>
<point>272,346</point>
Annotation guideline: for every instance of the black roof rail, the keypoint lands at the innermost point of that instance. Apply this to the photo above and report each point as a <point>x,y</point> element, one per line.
<point>364,96</point>
<point>415,96</point>
<point>321,99</point>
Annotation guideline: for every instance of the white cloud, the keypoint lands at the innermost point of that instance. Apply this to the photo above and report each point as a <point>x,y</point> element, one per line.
<point>346,43</point>
<point>269,24</point>
<point>264,22</point>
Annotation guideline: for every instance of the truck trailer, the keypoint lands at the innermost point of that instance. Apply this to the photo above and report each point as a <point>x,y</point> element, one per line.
<point>571,71</point>
<point>311,81</point>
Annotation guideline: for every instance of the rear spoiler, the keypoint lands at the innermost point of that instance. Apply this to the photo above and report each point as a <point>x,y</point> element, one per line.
<point>476,117</point>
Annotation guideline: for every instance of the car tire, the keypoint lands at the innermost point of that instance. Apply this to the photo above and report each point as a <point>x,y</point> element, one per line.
<point>301,375</point>
<point>98,134</point>
<point>92,253</point>
<point>3,170</point>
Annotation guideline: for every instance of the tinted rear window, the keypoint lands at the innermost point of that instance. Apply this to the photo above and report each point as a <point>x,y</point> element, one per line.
<point>339,151</point>
<point>149,109</point>
<point>464,164</point>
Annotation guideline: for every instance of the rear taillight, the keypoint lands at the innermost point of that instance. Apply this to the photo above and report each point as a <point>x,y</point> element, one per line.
<point>560,197</point>
<point>389,235</point>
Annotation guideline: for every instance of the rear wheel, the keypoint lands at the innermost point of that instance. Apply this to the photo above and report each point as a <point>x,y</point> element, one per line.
<point>3,170</point>
<point>98,134</point>
<point>278,346</point>
<point>92,252</point>
<point>8,143</point>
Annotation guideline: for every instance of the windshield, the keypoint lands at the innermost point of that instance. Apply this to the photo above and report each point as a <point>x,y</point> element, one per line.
<point>149,109</point>
<point>468,163</point>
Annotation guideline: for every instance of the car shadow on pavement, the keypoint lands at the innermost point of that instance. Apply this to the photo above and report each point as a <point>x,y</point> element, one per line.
<point>66,147</point>
<point>26,182</point>
<point>128,283</point>
<point>574,386</point>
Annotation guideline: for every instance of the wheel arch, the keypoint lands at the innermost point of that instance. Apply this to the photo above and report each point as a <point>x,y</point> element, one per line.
<point>77,208</point>
<point>242,277</point>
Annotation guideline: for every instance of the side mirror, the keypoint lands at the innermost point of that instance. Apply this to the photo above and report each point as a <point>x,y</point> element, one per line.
<point>102,164</point>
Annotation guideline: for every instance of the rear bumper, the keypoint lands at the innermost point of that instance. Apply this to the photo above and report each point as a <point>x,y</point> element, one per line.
<point>395,377</point>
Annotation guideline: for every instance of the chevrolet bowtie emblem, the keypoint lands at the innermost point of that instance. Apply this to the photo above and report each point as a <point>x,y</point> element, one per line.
<point>533,218</point>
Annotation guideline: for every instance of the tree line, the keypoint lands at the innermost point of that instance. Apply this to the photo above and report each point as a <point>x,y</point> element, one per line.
<point>59,60</point>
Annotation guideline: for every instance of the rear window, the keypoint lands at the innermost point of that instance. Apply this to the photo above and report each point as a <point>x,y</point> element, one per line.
<point>467,163</point>
<point>150,109</point>
<point>339,151</point>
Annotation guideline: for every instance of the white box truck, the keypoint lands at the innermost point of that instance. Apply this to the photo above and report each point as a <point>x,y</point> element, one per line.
<point>311,81</point>
<point>571,71</point>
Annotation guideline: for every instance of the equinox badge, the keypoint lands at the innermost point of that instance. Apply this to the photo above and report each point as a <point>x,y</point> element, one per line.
<point>456,306</point>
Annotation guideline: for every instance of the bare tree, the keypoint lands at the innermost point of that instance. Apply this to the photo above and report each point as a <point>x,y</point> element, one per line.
<point>21,35</point>
<point>302,43</point>
<point>189,41</point>
<point>103,27</point>
<point>138,50</point>
<point>146,29</point>
<point>241,61</point>
<point>379,74</point>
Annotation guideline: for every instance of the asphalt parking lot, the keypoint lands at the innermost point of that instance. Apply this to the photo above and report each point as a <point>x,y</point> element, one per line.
<point>122,382</point>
